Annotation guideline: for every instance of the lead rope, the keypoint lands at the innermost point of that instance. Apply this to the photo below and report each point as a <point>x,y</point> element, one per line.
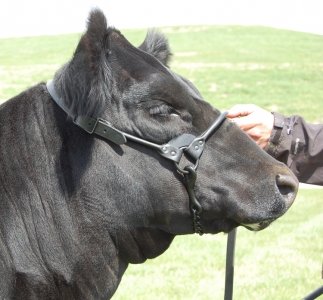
<point>196,208</point>
<point>229,268</point>
<point>318,292</point>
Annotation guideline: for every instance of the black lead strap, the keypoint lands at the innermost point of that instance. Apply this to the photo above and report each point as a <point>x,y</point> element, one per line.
<point>315,294</point>
<point>229,268</point>
<point>229,271</point>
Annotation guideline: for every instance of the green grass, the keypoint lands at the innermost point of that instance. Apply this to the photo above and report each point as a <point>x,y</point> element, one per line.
<point>275,69</point>
<point>27,61</point>
<point>281,262</point>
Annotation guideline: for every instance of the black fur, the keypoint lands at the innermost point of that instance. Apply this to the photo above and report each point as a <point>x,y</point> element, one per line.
<point>157,45</point>
<point>81,83</point>
<point>85,83</point>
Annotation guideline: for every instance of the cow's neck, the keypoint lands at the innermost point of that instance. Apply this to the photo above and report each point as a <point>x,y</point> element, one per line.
<point>138,245</point>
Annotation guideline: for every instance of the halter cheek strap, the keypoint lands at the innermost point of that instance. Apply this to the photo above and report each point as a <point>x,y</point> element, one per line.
<point>173,150</point>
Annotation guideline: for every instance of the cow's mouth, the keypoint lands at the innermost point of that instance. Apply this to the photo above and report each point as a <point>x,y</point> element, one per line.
<point>257,226</point>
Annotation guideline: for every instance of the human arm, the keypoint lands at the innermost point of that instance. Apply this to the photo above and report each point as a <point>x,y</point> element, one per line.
<point>255,121</point>
<point>291,140</point>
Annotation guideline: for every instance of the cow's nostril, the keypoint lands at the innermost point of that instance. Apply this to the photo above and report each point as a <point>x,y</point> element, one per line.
<point>287,186</point>
<point>285,189</point>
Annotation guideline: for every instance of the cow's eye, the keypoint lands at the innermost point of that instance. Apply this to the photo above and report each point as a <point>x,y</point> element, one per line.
<point>163,110</point>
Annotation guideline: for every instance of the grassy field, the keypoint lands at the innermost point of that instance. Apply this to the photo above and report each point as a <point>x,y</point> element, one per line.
<point>276,69</point>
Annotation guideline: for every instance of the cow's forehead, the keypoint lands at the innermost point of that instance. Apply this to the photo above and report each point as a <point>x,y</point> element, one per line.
<point>134,59</point>
<point>188,85</point>
<point>145,67</point>
<point>175,85</point>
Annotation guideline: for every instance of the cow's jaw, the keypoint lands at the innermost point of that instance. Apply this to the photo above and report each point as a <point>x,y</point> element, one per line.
<point>257,226</point>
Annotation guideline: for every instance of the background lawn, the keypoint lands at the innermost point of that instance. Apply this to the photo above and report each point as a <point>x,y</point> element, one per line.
<point>275,69</point>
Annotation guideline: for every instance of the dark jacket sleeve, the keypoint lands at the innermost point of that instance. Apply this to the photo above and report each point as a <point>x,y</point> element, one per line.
<point>300,146</point>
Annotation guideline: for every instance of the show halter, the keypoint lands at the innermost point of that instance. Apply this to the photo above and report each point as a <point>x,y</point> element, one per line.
<point>186,143</point>
<point>173,150</point>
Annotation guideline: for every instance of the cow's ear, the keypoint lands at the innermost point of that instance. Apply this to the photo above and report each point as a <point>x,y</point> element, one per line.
<point>92,42</point>
<point>97,23</point>
<point>82,83</point>
<point>157,45</point>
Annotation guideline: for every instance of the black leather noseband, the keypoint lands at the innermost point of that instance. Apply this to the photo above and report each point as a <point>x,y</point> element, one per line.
<point>186,143</point>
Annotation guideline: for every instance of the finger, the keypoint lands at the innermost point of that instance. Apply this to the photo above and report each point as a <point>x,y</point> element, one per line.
<point>245,123</point>
<point>241,110</point>
<point>260,140</point>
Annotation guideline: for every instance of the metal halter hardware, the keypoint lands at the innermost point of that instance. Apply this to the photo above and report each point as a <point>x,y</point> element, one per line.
<point>186,143</point>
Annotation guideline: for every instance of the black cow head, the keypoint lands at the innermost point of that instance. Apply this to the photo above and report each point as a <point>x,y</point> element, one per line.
<point>134,89</point>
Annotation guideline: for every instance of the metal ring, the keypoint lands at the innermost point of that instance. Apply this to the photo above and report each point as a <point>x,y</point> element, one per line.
<point>184,171</point>
<point>180,169</point>
<point>196,164</point>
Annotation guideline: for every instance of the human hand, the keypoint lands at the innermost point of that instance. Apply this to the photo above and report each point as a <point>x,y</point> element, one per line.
<point>255,121</point>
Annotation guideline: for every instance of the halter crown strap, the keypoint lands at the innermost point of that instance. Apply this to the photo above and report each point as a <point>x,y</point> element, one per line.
<point>90,125</point>
<point>173,150</point>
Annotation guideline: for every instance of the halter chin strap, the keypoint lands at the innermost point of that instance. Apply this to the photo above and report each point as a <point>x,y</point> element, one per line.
<point>173,150</point>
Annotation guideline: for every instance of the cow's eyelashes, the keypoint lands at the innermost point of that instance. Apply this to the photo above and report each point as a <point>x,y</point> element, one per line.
<point>163,110</point>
